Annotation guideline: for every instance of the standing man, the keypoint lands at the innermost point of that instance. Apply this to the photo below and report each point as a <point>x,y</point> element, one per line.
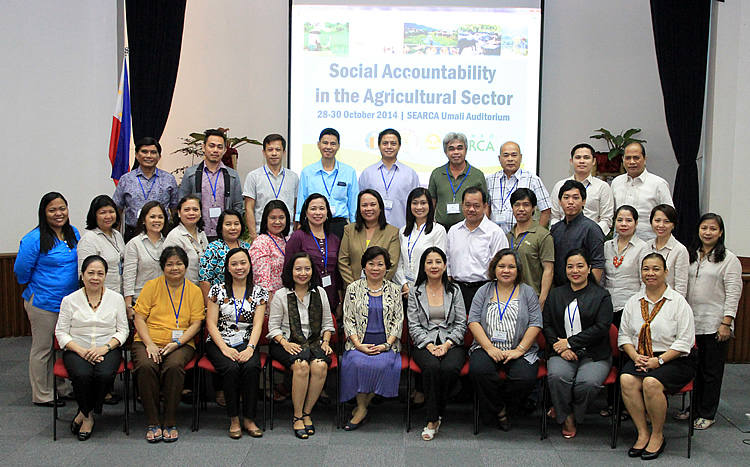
<point>600,204</point>
<point>268,182</point>
<point>576,231</point>
<point>471,245</point>
<point>640,189</point>
<point>217,185</point>
<point>392,179</point>
<point>501,185</point>
<point>533,243</point>
<point>449,182</point>
<point>145,183</point>
<point>334,179</point>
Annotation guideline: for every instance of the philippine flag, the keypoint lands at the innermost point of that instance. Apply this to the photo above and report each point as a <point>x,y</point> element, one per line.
<point>119,140</point>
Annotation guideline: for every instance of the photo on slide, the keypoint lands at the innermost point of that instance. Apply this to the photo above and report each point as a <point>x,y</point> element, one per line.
<point>327,39</point>
<point>464,39</point>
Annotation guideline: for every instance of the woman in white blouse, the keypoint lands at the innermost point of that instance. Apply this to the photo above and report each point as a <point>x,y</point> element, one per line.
<point>187,233</point>
<point>659,347</point>
<point>143,251</point>
<point>714,290</point>
<point>102,238</point>
<point>91,325</point>
<point>664,220</point>
<point>299,327</point>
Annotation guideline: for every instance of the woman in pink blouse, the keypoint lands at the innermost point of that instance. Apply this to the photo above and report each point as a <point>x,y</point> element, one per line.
<point>267,250</point>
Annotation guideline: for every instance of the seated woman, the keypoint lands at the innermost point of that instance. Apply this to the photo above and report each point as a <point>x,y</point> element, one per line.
<point>577,317</point>
<point>236,309</point>
<point>373,321</point>
<point>657,333</point>
<point>437,324</point>
<point>299,327</point>
<point>91,325</point>
<point>168,314</point>
<point>505,320</point>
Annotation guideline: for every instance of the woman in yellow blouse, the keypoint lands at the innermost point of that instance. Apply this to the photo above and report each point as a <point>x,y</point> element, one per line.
<point>168,314</point>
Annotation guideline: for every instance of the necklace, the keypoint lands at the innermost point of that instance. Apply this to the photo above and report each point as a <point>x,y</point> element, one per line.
<point>375,290</point>
<point>617,261</point>
<point>93,307</point>
<point>433,293</point>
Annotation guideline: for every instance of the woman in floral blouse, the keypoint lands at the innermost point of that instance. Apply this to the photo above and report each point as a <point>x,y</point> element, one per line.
<point>267,251</point>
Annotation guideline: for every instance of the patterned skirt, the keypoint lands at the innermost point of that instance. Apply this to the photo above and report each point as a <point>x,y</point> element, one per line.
<point>362,373</point>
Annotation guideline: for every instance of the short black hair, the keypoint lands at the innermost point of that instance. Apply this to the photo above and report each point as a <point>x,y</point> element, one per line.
<point>580,146</point>
<point>214,132</point>
<point>228,280</point>
<point>287,278</point>
<point>668,211</point>
<point>147,141</point>
<point>304,222</point>
<point>329,131</point>
<point>583,252</point>
<point>101,201</point>
<point>389,131</point>
<point>500,255</point>
<point>521,194</point>
<point>140,225</point>
<point>655,255</point>
<point>372,253</point>
<point>176,218</point>
<point>360,221</point>
<point>86,263</point>
<point>472,190</point>
<point>274,137</point>
<point>220,222</point>
<point>173,251</point>
<point>571,185</point>
<point>630,209</point>
<point>275,204</point>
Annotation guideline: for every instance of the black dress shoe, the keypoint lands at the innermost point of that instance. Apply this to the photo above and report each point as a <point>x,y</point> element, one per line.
<point>50,404</point>
<point>84,435</point>
<point>75,428</point>
<point>647,456</point>
<point>635,452</point>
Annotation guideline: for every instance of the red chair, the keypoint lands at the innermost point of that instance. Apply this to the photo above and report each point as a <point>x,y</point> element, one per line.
<point>59,371</point>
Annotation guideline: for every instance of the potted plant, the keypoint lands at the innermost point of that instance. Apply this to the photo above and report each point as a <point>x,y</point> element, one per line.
<point>610,163</point>
<point>193,147</point>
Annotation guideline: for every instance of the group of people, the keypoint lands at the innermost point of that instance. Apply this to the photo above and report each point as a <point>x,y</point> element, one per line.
<point>468,256</point>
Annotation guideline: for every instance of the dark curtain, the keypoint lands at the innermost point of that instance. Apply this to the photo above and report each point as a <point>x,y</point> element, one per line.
<point>681,31</point>
<point>154,41</point>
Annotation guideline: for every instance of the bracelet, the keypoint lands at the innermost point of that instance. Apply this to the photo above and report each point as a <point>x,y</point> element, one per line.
<point>109,347</point>
<point>524,348</point>
<point>727,325</point>
<point>325,340</point>
<point>251,346</point>
<point>387,346</point>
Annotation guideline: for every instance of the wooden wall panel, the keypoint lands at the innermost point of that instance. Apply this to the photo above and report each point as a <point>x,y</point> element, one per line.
<point>739,347</point>
<point>13,319</point>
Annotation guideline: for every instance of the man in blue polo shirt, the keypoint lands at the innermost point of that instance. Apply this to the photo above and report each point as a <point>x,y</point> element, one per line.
<point>333,179</point>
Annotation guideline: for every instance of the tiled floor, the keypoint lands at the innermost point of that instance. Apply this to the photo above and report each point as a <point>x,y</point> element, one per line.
<point>26,435</point>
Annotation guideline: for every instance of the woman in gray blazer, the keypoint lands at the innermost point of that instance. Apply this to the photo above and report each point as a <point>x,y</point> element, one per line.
<point>437,324</point>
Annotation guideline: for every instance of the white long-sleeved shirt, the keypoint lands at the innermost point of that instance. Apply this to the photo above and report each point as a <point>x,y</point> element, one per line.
<point>600,203</point>
<point>79,323</point>
<point>194,247</point>
<point>643,192</point>
<point>112,249</point>
<point>678,262</point>
<point>412,248</point>
<point>141,264</point>
<point>278,317</point>
<point>714,291</point>
<point>469,252</point>
<point>624,281</point>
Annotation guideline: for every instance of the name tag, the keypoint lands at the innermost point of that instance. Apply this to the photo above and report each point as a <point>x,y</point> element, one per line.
<point>388,204</point>
<point>214,212</point>
<point>234,340</point>
<point>326,281</point>
<point>341,184</point>
<point>333,210</point>
<point>453,208</point>
<point>176,334</point>
<point>500,336</point>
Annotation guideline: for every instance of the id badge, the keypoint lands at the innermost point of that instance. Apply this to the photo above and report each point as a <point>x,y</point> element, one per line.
<point>234,340</point>
<point>138,216</point>
<point>176,334</point>
<point>500,336</point>
<point>388,204</point>
<point>333,211</point>
<point>453,208</point>
<point>120,266</point>
<point>214,212</point>
<point>326,281</point>
<point>409,274</point>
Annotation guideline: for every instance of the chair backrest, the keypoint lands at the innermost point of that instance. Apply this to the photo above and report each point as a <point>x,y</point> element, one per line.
<point>264,332</point>
<point>335,334</point>
<point>613,332</point>
<point>541,341</point>
<point>468,338</point>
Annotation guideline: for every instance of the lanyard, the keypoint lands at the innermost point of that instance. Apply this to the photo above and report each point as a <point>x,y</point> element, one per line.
<point>153,182</point>
<point>325,253</point>
<point>112,242</point>
<point>572,318</point>
<point>497,295</point>
<point>177,311</point>
<point>504,198</point>
<point>388,186</point>
<point>519,242</point>
<point>462,181</point>
<point>283,176</point>
<point>216,181</point>
<point>333,185</point>
<point>410,250</point>
<point>277,245</point>
<point>242,306</point>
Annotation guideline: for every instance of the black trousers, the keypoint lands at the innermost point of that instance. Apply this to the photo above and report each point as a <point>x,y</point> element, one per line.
<point>239,379</point>
<point>91,383</point>
<point>468,290</point>
<point>711,357</point>
<point>494,393</point>
<point>439,375</point>
<point>337,226</point>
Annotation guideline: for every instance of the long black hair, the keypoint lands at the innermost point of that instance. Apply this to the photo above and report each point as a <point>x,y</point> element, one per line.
<point>288,279</point>
<point>411,219</point>
<point>422,276</point>
<point>582,252</point>
<point>719,252</point>
<point>223,216</point>
<point>47,236</point>
<point>305,222</point>
<point>275,204</point>
<point>140,225</point>
<point>228,276</point>
<point>361,220</point>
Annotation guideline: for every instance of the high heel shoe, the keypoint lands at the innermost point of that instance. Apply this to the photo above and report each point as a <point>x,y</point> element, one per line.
<point>75,428</point>
<point>310,428</point>
<point>356,426</point>
<point>647,456</point>
<point>300,433</point>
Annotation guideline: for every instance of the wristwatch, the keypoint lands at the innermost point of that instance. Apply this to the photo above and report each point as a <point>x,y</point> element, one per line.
<point>387,346</point>
<point>661,361</point>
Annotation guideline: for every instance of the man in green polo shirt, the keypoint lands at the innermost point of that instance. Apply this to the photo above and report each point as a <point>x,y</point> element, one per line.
<point>533,243</point>
<point>448,182</point>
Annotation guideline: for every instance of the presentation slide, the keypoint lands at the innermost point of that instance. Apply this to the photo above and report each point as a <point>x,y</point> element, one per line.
<point>425,71</point>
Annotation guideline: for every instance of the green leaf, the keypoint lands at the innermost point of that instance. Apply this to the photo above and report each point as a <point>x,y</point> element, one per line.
<point>613,153</point>
<point>631,132</point>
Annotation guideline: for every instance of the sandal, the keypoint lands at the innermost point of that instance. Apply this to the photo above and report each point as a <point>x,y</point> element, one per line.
<point>155,438</point>
<point>300,433</point>
<point>703,423</point>
<point>428,434</point>
<point>310,428</point>
<point>503,422</point>
<point>683,415</point>
<point>624,416</point>
<point>170,429</point>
